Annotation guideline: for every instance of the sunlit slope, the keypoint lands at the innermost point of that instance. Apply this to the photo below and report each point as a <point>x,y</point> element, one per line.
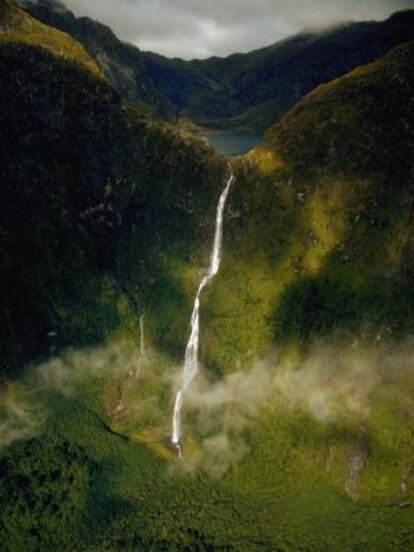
<point>18,26</point>
<point>359,124</point>
<point>320,231</point>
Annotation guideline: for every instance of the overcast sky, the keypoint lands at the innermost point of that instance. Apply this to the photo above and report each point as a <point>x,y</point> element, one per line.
<point>201,28</point>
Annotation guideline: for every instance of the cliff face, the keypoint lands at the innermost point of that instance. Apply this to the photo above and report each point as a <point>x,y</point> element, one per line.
<point>80,172</point>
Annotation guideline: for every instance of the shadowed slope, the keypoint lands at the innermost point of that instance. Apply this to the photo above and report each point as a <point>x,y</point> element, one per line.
<point>89,191</point>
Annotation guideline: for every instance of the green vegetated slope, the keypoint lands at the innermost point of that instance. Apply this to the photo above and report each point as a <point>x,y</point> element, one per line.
<point>16,24</point>
<point>243,92</point>
<point>317,269</point>
<point>122,63</point>
<point>320,229</point>
<point>105,217</point>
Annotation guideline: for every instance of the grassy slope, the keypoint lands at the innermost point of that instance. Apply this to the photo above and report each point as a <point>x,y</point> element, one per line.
<point>319,247</point>
<point>79,485</point>
<point>328,196</point>
<point>17,25</point>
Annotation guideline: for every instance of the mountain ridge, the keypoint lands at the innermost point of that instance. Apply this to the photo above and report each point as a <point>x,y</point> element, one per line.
<point>245,92</point>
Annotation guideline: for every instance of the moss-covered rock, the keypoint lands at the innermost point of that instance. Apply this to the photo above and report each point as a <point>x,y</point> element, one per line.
<point>320,227</point>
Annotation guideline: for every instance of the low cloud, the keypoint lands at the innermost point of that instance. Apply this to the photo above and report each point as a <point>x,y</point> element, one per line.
<point>199,29</point>
<point>17,420</point>
<point>23,403</point>
<point>68,372</point>
<point>332,385</point>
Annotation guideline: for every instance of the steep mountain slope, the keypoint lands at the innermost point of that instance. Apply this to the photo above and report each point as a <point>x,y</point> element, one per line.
<point>79,172</point>
<point>123,64</point>
<point>15,24</point>
<point>243,91</point>
<point>329,198</point>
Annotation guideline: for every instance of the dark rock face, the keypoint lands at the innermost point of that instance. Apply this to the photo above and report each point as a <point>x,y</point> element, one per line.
<point>243,91</point>
<point>80,173</point>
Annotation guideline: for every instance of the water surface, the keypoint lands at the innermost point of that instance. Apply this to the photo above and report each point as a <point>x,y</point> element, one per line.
<point>231,145</point>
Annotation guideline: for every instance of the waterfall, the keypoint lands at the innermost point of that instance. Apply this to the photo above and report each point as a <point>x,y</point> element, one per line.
<point>190,368</point>
<point>141,335</point>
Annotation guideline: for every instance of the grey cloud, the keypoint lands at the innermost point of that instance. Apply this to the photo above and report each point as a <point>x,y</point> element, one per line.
<point>25,404</point>
<point>17,421</point>
<point>196,28</point>
<point>333,384</point>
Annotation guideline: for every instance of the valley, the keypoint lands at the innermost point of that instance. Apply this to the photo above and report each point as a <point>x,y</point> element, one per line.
<point>207,304</point>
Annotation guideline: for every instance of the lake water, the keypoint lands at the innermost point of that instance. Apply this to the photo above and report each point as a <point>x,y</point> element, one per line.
<point>231,145</point>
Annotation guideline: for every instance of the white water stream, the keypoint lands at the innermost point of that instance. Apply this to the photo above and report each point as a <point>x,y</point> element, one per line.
<point>191,363</point>
<point>141,336</point>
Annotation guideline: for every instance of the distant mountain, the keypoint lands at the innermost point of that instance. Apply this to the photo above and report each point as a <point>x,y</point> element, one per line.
<point>243,91</point>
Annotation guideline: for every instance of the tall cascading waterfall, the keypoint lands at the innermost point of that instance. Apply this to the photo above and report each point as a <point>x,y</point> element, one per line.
<point>191,363</point>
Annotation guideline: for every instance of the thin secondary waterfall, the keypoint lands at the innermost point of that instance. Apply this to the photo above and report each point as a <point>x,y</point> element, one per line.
<point>141,335</point>
<point>191,353</point>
